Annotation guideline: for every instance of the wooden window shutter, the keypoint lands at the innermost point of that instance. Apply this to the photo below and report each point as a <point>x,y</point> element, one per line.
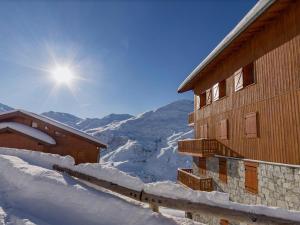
<point>203,99</point>
<point>251,179</point>
<point>215,92</point>
<point>238,80</point>
<point>224,222</point>
<point>248,74</point>
<point>208,97</point>
<point>222,89</point>
<point>198,102</point>
<point>202,166</point>
<point>251,125</point>
<point>223,129</point>
<point>223,170</point>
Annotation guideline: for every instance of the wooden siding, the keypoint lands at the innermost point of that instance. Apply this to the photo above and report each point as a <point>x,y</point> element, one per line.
<point>66,143</point>
<point>275,95</point>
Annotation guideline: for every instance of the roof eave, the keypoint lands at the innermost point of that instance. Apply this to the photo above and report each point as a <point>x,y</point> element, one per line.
<point>249,18</point>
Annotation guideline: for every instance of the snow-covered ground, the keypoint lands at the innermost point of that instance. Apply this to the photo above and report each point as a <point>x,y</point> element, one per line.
<point>31,193</point>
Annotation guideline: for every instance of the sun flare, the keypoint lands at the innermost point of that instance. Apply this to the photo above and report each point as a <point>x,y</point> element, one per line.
<point>63,75</point>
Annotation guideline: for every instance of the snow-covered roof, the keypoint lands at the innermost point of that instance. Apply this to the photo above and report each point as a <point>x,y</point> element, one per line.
<point>29,131</point>
<point>57,124</point>
<point>250,17</point>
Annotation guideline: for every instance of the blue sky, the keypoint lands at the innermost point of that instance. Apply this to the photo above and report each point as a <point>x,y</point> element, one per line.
<point>131,55</point>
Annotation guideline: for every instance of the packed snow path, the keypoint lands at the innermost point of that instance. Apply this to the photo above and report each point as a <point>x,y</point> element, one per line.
<point>31,194</point>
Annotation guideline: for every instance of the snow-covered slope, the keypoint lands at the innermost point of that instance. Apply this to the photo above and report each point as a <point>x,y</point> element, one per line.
<point>85,124</point>
<point>146,145</point>
<point>65,118</point>
<point>91,123</point>
<point>4,108</point>
<point>31,193</point>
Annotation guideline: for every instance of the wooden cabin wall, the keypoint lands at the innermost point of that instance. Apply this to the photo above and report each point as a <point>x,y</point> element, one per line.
<point>275,97</point>
<point>281,30</point>
<point>66,143</point>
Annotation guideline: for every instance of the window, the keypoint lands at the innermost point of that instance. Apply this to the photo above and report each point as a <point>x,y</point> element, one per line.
<point>198,102</point>
<point>215,92</point>
<point>223,170</point>
<point>203,131</point>
<point>219,90</point>
<point>224,222</point>
<point>251,125</point>
<point>34,124</point>
<point>202,166</point>
<point>223,129</point>
<point>244,77</point>
<point>251,180</point>
<point>203,99</point>
<point>208,97</point>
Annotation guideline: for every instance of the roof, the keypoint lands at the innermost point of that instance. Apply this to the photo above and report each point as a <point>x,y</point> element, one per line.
<point>260,7</point>
<point>57,124</point>
<point>29,131</point>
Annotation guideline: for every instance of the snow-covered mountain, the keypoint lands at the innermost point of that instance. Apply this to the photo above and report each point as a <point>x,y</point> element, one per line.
<point>91,123</point>
<point>4,108</point>
<point>144,145</point>
<point>85,124</point>
<point>65,118</point>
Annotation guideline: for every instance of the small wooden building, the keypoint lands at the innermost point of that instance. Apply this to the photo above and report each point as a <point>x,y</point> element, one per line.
<point>247,110</point>
<point>25,130</point>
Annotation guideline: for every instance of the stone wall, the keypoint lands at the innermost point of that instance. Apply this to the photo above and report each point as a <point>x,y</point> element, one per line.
<point>278,185</point>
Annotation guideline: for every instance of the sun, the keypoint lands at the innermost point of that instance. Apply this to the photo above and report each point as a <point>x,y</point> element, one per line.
<point>63,75</point>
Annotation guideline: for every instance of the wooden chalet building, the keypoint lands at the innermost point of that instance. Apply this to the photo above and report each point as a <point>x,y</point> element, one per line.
<point>247,112</point>
<point>25,130</point>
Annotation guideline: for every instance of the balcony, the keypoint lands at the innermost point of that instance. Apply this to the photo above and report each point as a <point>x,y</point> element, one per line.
<point>191,119</point>
<point>186,178</point>
<point>198,147</point>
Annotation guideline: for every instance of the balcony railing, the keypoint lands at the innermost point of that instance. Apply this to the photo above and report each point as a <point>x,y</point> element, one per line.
<point>198,147</point>
<point>191,119</point>
<point>186,178</point>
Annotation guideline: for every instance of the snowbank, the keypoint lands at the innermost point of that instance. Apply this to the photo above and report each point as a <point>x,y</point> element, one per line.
<point>47,197</point>
<point>176,191</point>
<point>111,174</point>
<point>164,189</point>
<point>45,160</point>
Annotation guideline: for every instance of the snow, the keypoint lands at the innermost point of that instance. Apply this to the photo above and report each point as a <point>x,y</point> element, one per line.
<point>32,132</point>
<point>111,174</point>
<point>27,183</point>
<point>4,108</point>
<point>31,195</point>
<point>146,145</point>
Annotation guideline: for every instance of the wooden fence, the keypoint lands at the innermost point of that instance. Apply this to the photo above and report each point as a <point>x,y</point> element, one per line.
<point>186,177</point>
<point>198,147</point>
<point>180,204</point>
